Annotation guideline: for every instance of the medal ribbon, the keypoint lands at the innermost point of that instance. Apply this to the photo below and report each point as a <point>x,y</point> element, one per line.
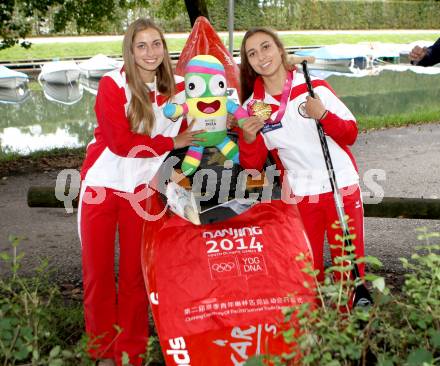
<point>284,98</point>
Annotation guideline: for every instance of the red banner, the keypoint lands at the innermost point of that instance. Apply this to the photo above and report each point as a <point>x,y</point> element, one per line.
<point>218,290</point>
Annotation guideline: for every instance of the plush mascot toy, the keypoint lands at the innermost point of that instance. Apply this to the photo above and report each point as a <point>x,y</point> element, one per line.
<point>207,102</point>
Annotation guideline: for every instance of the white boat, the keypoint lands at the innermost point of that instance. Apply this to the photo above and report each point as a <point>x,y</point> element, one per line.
<point>90,84</point>
<point>351,72</point>
<point>60,72</point>
<point>352,57</point>
<point>98,65</point>
<point>67,94</point>
<point>434,70</point>
<point>11,79</point>
<point>14,95</point>
<point>339,57</point>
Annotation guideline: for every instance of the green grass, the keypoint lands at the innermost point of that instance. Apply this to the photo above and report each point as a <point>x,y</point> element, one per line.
<point>72,50</point>
<point>41,154</point>
<point>327,39</point>
<point>398,120</point>
<point>61,50</point>
<point>9,156</point>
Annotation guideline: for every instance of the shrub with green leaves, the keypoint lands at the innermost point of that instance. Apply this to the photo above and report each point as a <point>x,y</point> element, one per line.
<point>399,329</point>
<point>37,327</point>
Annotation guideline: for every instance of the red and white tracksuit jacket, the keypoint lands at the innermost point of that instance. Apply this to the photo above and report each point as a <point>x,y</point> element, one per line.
<point>297,152</point>
<point>118,164</point>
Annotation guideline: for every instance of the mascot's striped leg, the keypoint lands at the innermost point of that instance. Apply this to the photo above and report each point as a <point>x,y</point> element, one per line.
<point>229,149</point>
<point>192,160</point>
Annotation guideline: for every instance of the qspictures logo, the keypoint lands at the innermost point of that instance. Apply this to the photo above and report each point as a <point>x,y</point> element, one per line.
<point>67,186</point>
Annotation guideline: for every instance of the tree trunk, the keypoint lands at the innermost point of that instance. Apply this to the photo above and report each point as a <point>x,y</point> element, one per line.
<point>196,8</point>
<point>45,197</point>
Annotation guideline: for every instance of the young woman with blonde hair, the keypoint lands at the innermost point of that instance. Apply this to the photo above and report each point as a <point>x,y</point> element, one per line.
<point>132,138</point>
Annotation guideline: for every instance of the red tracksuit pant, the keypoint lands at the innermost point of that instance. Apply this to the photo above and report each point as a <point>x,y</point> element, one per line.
<point>115,315</point>
<point>319,214</point>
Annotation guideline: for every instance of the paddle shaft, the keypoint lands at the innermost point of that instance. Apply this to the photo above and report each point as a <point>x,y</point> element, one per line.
<point>331,174</point>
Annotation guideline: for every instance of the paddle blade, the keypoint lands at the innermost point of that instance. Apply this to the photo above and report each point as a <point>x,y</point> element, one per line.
<point>362,297</point>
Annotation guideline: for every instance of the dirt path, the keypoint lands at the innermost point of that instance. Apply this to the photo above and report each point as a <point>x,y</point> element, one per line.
<point>409,157</point>
<point>45,232</point>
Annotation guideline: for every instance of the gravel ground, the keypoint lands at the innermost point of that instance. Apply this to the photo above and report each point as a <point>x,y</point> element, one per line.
<point>409,158</point>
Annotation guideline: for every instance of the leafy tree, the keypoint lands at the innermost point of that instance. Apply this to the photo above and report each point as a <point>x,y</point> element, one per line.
<point>170,9</point>
<point>86,15</point>
<point>14,19</point>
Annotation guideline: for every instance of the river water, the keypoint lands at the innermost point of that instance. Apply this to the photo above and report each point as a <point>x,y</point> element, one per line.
<point>49,116</point>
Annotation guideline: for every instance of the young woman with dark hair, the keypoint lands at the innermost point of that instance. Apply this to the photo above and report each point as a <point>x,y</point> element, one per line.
<point>291,137</point>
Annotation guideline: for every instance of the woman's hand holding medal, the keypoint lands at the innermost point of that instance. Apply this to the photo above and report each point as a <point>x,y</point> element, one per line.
<point>260,112</point>
<point>251,127</point>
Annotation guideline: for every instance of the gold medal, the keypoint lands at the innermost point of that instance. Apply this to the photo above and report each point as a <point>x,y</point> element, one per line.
<point>261,109</point>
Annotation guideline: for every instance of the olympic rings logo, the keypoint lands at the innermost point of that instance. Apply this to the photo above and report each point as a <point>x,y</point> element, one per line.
<point>223,267</point>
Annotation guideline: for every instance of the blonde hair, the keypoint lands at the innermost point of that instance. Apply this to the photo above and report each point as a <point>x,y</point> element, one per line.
<point>140,111</point>
<point>247,73</point>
